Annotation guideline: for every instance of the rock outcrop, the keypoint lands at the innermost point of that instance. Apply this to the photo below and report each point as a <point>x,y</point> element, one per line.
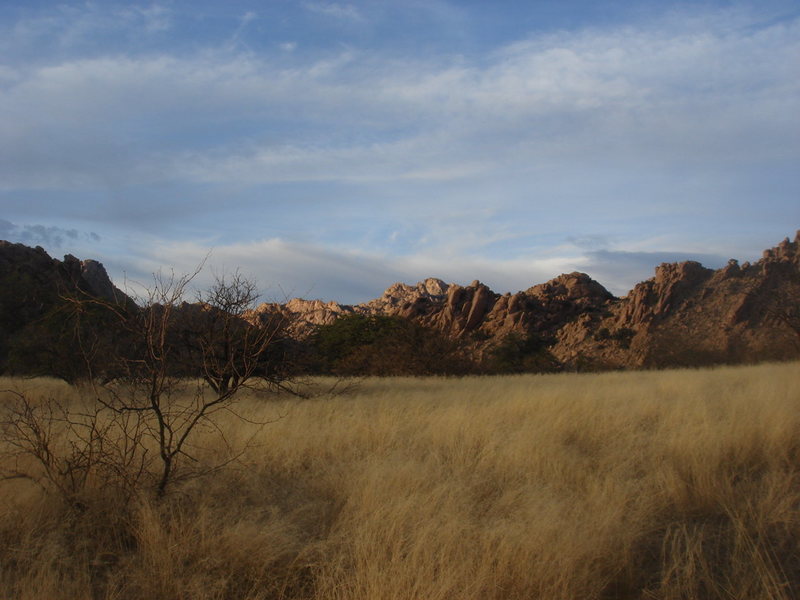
<point>304,316</point>
<point>32,285</point>
<point>473,313</point>
<point>686,314</point>
<point>690,315</point>
<point>98,282</point>
<point>34,266</point>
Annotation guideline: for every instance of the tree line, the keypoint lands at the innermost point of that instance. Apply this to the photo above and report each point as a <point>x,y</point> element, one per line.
<point>222,338</point>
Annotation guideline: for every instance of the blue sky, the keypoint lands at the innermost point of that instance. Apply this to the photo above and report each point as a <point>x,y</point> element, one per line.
<point>329,149</point>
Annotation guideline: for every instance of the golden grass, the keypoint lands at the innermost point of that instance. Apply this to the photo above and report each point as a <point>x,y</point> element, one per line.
<point>645,485</point>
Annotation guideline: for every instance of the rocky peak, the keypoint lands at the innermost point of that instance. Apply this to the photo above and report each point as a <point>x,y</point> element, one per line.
<point>98,282</point>
<point>32,284</point>
<point>732,269</point>
<point>713,314</point>
<point>304,315</point>
<point>689,272</point>
<point>684,314</point>
<point>35,262</point>
<point>571,286</point>
<point>433,286</point>
<point>785,252</point>
<point>672,285</point>
<point>71,274</point>
<point>299,305</point>
<point>403,292</point>
<point>401,296</point>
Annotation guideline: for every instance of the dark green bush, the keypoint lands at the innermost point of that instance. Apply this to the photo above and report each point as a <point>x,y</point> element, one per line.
<point>383,345</point>
<point>521,354</point>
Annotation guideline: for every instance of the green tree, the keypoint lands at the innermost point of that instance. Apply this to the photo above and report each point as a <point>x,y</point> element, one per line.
<point>520,354</point>
<point>384,345</point>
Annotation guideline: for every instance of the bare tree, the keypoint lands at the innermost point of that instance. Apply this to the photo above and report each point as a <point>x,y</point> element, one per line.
<point>67,448</point>
<point>175,367</point>
<point>231,341</point>
<point>173,342</point>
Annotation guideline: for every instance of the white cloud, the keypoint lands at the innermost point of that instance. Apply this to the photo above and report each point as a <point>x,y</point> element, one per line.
<point>643,95</point>
<point>154,18</point>
<point>666,125</point>
<point>245,20</point>
<point>286,269</point>
<point>51,236</point>
<point>75,26</point>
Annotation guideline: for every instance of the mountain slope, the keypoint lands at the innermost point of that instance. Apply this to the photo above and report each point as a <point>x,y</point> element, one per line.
<point>32,283</point>
<point>685,315</point>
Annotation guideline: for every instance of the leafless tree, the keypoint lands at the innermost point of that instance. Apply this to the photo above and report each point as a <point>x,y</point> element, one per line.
<point>66,448</point>
<point>220,339</point>
<point>152,400</point>
<point>231,341</point>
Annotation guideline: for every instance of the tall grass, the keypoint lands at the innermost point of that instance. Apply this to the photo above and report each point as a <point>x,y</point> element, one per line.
<point>645,485</point>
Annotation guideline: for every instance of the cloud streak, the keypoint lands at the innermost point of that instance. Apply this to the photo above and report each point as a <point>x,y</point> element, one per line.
<point>643,95</point>
<point>336,10</point>
<point>287,269</point>
<point>43,235</point>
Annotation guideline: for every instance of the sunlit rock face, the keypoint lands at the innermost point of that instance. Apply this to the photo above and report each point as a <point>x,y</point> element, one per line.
<point>686,314</point>
<point>689,315</point>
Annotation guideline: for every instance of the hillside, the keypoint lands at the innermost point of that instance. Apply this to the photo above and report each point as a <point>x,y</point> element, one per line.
<point>33,292</point>
<point>685,315</point>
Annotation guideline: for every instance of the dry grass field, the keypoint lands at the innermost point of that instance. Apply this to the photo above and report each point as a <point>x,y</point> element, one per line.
<point>643,485</point>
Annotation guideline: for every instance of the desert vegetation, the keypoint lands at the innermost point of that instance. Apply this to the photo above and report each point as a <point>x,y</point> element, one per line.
<point>668,484</point>
<point>358,345</point>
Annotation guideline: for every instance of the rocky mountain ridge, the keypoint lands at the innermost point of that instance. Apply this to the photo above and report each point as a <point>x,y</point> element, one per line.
<point>18,261</point>
<point>31,283</point>
<point>685,315</point>
<point>34,289</point>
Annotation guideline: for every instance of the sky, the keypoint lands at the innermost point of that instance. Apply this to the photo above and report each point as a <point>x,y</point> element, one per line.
<point>329,149</point>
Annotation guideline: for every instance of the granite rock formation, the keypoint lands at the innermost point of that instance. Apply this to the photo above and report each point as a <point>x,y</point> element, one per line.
<point>689,315</point>
<point>685,315</point>
<point>45,275</point>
